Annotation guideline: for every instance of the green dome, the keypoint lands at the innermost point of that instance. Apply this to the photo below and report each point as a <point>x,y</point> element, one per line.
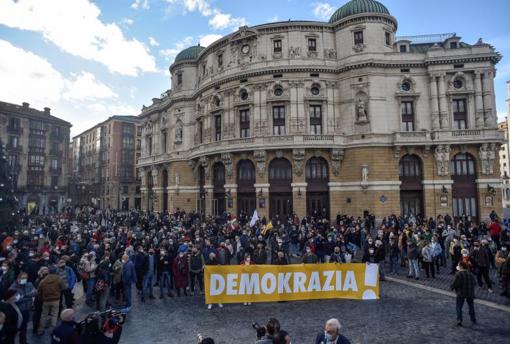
<point>354,7</point>
<point>190,53</point>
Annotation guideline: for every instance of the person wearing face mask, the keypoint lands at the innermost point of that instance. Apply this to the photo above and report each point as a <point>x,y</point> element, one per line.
<point>26,292</point>
<point>128,279</point>
<point>309,257</point>
<point>149,278</point>
<point>196,269</point>
<point>337,256</point>
<point>331,334</point>
<point>412,256</point>
<point>481,257</point>
<point>13,316</point>
<point>180,271</point>
<point>69,277</point>
<point>49,291</point>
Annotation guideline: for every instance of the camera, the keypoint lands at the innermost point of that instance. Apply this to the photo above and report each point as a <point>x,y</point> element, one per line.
<point>261,330</point>
<point>97,324</point>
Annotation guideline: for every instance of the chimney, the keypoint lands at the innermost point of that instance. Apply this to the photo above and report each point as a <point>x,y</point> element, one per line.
<point>47,110</point>
<point>25,105</point>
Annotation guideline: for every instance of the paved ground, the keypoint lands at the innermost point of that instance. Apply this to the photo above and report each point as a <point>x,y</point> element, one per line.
<point>405,314</point>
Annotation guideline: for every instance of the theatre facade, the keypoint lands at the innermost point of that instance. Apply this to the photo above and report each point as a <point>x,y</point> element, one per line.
<point>337,117</point>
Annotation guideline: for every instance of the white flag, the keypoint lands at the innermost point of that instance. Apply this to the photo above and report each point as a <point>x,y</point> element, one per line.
<point>254,219</point>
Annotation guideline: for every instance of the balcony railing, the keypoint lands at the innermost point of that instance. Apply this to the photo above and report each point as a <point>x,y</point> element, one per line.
<point>17,148</point>
<point>14,130</point>
<point>36,150</point>
<point>56,152</point>
<point>57,170</point>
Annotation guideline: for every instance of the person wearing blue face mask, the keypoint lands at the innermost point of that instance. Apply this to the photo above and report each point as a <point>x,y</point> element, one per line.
<point>26,292</point>
<point>331,334</point>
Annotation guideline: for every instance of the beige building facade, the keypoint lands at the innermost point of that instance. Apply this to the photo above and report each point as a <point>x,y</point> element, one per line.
<point>36,146</point>
<point>329,117</point>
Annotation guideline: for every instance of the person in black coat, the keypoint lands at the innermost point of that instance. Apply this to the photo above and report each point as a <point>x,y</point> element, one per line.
<point>141,268</point>
<point>66,332</point>
<point>12,314</point>
<point>331,334</point>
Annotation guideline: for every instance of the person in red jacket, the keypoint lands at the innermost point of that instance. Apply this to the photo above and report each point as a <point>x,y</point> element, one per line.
<point>495,230</point>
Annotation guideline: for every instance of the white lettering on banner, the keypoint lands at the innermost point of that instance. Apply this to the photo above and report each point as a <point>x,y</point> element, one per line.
<point>268,289</point>
<point>249,284</point>
<point>253,284</point>
<point>315,283</point>
<point>217,284</point>
<point>338,284</point>
<point>350,281</point>
<point>283,282</point>
<point>231,284</point>
<point>299,282</point>
<point>327,283</point>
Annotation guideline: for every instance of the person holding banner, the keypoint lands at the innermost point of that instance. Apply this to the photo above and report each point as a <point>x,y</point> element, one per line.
<point>212,260</point>
<point>331,334</point>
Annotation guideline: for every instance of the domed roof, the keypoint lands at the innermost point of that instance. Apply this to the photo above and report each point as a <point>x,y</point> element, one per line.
<point>354,7</point>
<point>190,53</point>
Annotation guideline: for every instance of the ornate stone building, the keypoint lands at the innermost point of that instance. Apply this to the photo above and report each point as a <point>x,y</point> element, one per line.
<point>37,146</point>
<point>343,116</point>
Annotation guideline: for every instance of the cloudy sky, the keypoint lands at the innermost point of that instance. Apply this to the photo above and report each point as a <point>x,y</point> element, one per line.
<point>88,60</point>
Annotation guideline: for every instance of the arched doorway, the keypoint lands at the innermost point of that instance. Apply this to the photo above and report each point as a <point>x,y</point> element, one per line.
<point>164,184</point>
<point>246,194</point>
<point>280,189</point>
<point>218,206</point>
<point>411,187</point>
<point>464,191</point>
<point>317,189</point>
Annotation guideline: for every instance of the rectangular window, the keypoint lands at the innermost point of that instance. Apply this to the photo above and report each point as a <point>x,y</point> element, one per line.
<point>179,79</point>
<point>453,45</point>
<point>199,131</point>
<point>244,123</point>
<point>459,114</point>
<point>54,164</point>
<point>54,181</point>
<point>14,123</point>
<point>387,37</point>
<point>217,127</point>
<point>312,44</point>
<point>35,178</point>
<point>148,143</point>
<point>220,60</point>
<point>358,37</point>
<point>277,46</point>
<point>407,112</point>
<point>403,48</point>
<point>13,160</point>
<point>164,137</point>
<point>128,129</point>
<point>315,119</point>
<point>13,141</point>
<point>128,142</point>
<point>278,120</point>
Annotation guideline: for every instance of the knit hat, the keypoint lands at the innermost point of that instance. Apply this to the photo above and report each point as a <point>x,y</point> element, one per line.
<point>9,293</point>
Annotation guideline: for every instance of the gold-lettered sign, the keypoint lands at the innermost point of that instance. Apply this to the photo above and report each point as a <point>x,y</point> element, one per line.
<point>268,283</point>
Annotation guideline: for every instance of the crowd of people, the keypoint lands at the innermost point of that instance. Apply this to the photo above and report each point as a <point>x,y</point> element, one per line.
<point>162,255</point>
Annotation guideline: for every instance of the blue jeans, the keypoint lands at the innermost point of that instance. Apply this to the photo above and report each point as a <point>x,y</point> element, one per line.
<point>460,303</point>
<point>91,282</point>
<point>414,265</point>
<point>126,290</point>
<point>394,264</point>
<point>165,280</point>
<point>148,283</point>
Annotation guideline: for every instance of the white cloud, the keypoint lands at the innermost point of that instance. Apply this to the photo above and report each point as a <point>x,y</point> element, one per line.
<point>127,21</point>
<point>224,20</point>
<point>218,19</point>
<point>85,87</point>
<point>80,99</point>
<point>144,4</point>
<point>153,42</point>
<point>170,53</point>
<point>323,10</point>
<point>206,40</point>
<point>75,27</point>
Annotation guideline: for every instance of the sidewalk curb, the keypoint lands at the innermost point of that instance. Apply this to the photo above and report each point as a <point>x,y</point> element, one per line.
<point>448,293</point>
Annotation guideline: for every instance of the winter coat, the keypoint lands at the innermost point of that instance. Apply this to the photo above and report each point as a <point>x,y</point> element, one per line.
<point>27,293</point>
<point>260,257</point>
<point>180,272</point>
<point>412,251</point>
<point>128,273</point>
<point>50,288</point>
<point>426,252</point>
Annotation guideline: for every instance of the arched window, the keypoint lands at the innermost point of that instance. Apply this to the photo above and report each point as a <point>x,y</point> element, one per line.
<point>316,169</point>
<point>245,172</point>
<point>219,175</point>
<point>463,165</point>
<point>280,170</point>
<point>410,166</point>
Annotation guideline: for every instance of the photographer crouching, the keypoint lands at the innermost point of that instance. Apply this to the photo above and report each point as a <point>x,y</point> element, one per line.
<point>99,328</point>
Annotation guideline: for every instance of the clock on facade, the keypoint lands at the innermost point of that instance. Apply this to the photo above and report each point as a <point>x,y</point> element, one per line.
<point>245,49</point>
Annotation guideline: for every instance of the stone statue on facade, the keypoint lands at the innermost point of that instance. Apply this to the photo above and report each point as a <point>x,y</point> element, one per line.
<point>442,155</point>
<point>178,132</point>
<point>483,154</point>
<point>361,111</point>
<point>294,52</point>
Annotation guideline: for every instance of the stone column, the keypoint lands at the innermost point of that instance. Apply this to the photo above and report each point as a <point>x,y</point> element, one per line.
<point>434,104</point>
<point>156,190</point>
<point>293,109</point>
<point>443,106</point>
<point>232,188</point>
<point>489,118</point>
<point>479,117</point>
<point>208,199</point>
<point>299,198</point>
<point>329,123</point>
<point>262,192</point>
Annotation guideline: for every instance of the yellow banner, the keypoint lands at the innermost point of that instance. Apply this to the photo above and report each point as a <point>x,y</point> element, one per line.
<point>268,283</point>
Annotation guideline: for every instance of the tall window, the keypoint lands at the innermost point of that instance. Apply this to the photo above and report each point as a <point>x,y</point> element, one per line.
<point>277,46</point>
<point>244,122</point>
<point>278,120</point>
<point>13,141</point>
<point>220,60</point>
<point>312,44</point>
<point>403,48</point>
<point>387,37</point>
<point>459,114</point>
<point>410,166</point>
<point>179,79</point>
<point>315,119</point>
<point>148,143</point>
<point>358,37</point>
<point>14,123</point>
<point>199,131</point>
<point>407,111</point>
<point>463,165</point>
<point>164,137</point>
<point>217,127</point>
